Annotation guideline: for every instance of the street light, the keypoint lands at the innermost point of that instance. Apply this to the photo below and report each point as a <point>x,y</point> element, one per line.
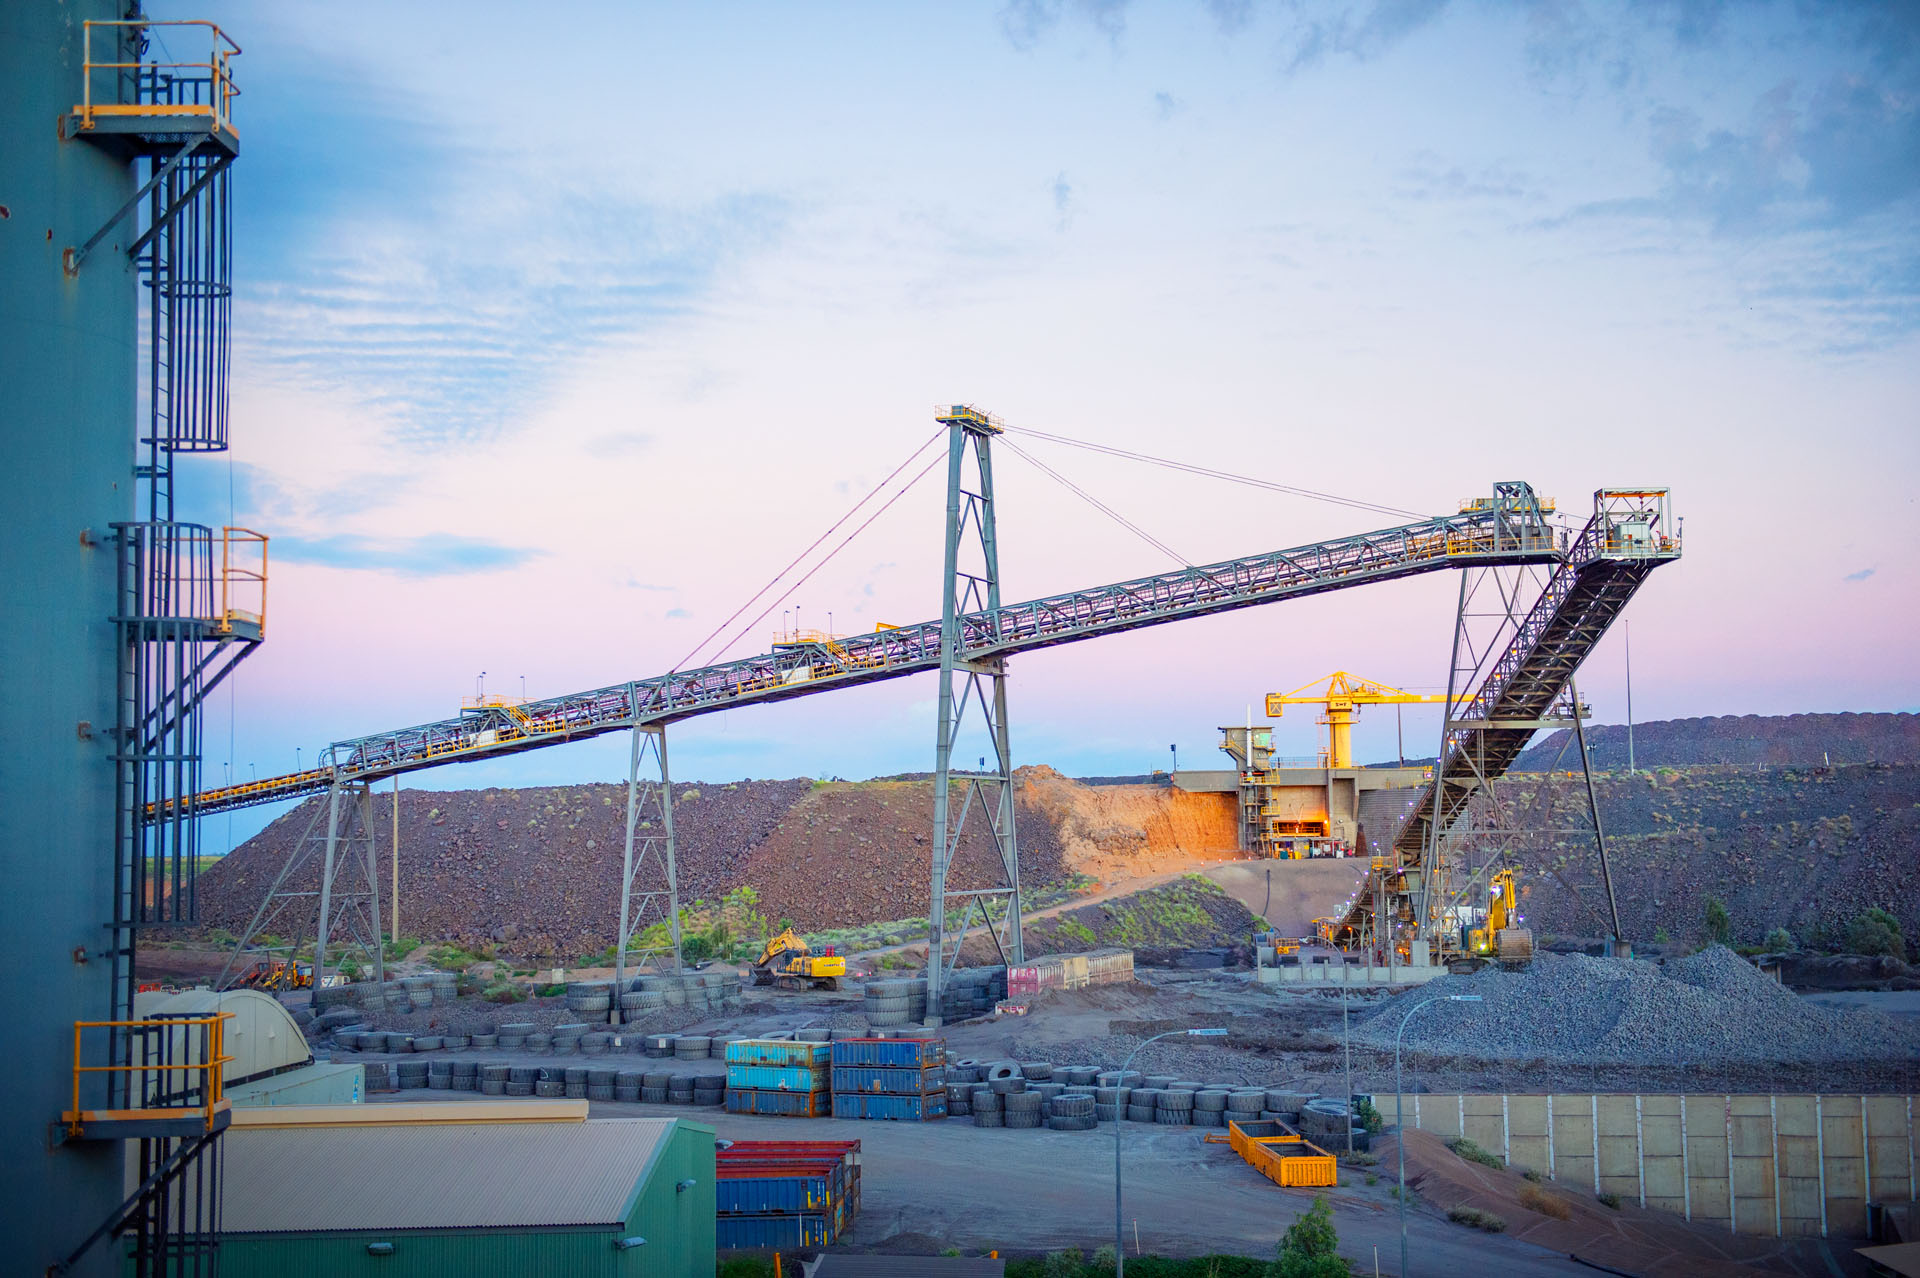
<point>1399,1127</point>
<point>1119,1233</point>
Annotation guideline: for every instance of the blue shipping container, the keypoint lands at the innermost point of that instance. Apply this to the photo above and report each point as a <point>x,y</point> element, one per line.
<point>767,1051</point>
<point>906,1109</point>
<point>790,1191</point>
<point>891,1053</point>
<point>778,1078</point>
<point>771,1231</point>
<point>741,1100</point>
<point>894,1082</point>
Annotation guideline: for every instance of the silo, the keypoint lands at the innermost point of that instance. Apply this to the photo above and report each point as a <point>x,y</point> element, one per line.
<point>109,221</point>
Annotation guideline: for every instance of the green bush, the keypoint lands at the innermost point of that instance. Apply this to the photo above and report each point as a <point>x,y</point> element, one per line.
<point>1877,932</point>
<point>1369,1116</point>
<point>1719,926</point>
<point>1609,1200</point>
<point>549,990</point>
<point>504,992</point>
<point>1477,1219</point>
<point>1310,1248</point>
<point>1778,940</point>
<point>1063,1264</point>
<point>1473,1153</point>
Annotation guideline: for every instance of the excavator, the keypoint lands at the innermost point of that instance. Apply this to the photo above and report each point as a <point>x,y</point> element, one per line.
<point>276,974</point>
<point>1498,937</point>
<point>787,961</point>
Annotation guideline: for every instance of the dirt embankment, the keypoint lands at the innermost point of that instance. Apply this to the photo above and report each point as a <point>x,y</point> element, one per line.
<point>1111,832</point>
<point>861,852</point>
<point>1188,912</point>
<point>538,870</point>
<point>1776,741</point>
<point>535,870</point>
<point>1805,849</point>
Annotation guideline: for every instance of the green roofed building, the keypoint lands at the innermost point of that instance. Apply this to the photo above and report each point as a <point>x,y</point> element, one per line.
<point>596,1199</point>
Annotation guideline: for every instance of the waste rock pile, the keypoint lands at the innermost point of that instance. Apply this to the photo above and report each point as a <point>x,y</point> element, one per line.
<point>1711,1007</point>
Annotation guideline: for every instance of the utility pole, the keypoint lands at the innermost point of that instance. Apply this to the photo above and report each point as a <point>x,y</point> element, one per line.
<point>396,856</point>
<point>1629,633</point>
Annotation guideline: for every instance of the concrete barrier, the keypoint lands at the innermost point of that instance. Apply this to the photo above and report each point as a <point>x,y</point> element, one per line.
<point>1778,1165</point>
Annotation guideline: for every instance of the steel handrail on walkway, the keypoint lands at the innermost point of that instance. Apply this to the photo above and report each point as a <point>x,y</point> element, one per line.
<point>221,89</point>
<point>208,1091</point>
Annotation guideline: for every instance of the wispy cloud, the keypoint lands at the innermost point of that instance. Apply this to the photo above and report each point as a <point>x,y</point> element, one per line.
<point>434,555</point>
<point>455,283</point>
<point>1862,575</point>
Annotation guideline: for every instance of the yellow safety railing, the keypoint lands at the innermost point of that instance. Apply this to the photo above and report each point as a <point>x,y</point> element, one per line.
<point>218,76</point>
<point>210,1068</point>
<point>243,578</point>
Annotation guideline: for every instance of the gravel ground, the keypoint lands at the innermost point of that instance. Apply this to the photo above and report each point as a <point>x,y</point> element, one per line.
<point>1713,1007</point>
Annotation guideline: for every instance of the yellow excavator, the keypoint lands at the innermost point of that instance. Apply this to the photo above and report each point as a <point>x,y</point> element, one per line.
<point>1498,937</point>
<point>790,963</point>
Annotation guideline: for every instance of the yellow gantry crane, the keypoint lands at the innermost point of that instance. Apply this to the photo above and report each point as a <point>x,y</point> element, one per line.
<point>1343,694</point>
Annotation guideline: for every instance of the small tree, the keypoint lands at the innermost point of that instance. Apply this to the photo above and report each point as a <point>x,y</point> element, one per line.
<point>1719,926</point>
<point>1310,1248</point>
<point>1779,940</point>
<point>1877,932</point>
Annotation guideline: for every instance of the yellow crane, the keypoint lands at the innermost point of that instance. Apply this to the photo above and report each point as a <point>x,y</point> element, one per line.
<point>1343,694</point>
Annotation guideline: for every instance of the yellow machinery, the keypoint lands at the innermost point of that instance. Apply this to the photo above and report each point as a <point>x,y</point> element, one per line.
<point>276,974</point>
<point>788,962</point>
<point>1343,694</point>
<point>1498,937</point>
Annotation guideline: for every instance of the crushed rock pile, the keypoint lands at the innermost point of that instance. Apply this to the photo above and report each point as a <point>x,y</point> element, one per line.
<point>1711,1007</point>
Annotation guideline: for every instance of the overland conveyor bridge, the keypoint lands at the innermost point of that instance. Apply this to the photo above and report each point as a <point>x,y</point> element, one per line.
<point>1511,529</point>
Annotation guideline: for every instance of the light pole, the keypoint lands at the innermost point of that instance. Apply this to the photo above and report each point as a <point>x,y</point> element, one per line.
<point>1399,1128</point>
<point>1119,1233</point>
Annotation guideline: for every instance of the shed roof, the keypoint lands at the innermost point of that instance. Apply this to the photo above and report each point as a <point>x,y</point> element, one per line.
<point>447,1176</point>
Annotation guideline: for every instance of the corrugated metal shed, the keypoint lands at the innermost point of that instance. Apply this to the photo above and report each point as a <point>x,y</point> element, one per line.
<point>444,1176</point>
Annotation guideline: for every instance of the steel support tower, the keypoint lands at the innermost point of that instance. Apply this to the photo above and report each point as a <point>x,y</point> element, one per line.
<point>649,842</point>
<point>970,586</point>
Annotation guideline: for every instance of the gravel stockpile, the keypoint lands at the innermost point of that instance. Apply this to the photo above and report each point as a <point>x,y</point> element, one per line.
<point>534,871</point>
<point>1711,1007</point>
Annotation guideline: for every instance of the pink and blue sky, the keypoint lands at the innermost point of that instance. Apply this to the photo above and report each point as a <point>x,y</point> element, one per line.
<point>560,330</point>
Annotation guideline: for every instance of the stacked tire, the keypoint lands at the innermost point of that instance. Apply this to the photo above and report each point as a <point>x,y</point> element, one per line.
<point>692,1047</point>
<point>1173,1107</point>
<point>1071,1114</point>
<point>1141,1103</point>
<point>1022,1109</point>
<point>1110,1103</point>
<point>1326,1119</point>
<point>972,991</point>
<point>1210,1107</point>
<point>988,1107</point>
<point>627,1085</point>
<point>709,1089</point>
<point>513,1036</point>
<point>566,1038</point>
<point>895,1002</point>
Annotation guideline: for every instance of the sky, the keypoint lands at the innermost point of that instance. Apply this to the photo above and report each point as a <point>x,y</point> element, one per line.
<point>557,336</point>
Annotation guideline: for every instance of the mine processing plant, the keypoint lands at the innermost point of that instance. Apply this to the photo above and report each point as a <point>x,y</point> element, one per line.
<point>1590,575</point>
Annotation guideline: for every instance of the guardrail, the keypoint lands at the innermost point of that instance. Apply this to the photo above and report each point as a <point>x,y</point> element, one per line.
<point>166,1079</point>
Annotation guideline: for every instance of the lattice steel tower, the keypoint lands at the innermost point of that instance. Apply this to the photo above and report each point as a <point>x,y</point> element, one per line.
<point>970,618</point>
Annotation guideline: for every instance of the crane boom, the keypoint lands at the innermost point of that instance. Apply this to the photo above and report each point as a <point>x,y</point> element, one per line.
<point>1510,528</point>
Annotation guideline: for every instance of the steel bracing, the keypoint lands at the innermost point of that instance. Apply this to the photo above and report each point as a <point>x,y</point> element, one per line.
<point>970,587</point>
<point>339,908</point>
<point>649,842</point>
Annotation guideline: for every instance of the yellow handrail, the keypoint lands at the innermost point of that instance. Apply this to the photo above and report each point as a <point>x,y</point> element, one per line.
<point>211,1068</point>
<point>221,89</point>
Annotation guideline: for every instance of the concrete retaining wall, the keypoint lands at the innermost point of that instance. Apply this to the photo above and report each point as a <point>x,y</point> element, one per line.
<point>1779,1165</point>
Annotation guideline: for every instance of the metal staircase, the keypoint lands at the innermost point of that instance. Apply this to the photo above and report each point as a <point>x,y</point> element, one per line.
<point>1624,541</point>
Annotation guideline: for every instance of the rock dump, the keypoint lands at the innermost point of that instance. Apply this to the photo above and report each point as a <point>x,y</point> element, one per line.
<point>1711,1007</point>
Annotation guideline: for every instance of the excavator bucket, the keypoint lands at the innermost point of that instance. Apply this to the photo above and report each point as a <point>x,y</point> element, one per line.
<point>1514,944</point>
